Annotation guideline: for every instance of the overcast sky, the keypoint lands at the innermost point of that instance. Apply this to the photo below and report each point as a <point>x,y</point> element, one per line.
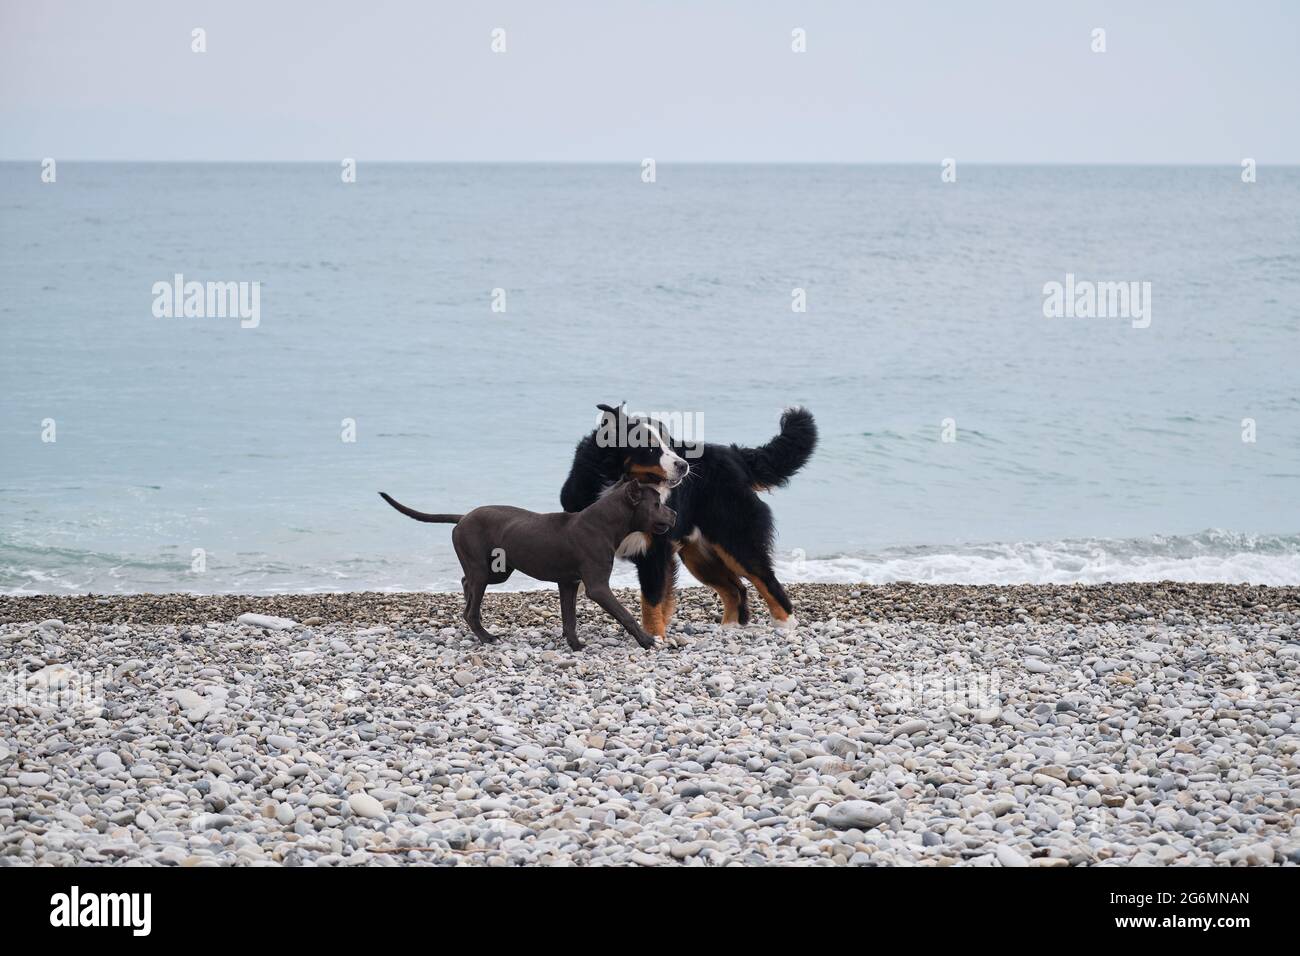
<point>711,80</point>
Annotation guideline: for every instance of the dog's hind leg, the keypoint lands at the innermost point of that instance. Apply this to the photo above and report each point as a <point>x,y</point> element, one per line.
<point>709,569</point>
<point>756,568</point>
<point>478,573</point>
<point>474,590</point>
<point>569,613</point>
<point>742,611</point>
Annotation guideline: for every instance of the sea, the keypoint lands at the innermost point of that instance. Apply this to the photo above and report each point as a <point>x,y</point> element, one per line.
<point>444,332</point>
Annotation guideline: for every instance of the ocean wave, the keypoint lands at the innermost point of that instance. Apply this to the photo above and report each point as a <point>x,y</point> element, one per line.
<point>1210,557</point>
<point>1213,556</point>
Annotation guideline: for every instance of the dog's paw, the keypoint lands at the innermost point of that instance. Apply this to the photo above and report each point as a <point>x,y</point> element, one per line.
<point>789,624</point>
<point>731,625</point>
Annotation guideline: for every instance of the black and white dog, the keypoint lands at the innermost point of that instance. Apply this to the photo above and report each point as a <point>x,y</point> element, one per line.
<point>724,531</point>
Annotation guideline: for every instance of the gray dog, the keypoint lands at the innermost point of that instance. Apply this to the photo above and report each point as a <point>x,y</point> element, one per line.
<point>568,548</point>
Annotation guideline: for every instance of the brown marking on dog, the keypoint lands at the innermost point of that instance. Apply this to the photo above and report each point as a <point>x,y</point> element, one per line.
<point>667,608</point>
<point>652,620</point>
<point>773,605</point>
<point>709,569</point>
<point>646,473</point>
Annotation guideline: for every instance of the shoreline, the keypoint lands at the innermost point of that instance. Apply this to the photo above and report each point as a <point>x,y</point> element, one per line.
<point>897,725</point>
<point>948,603</point>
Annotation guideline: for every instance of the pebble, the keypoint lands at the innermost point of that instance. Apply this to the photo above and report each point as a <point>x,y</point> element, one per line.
<point>108,760</point>
<point>267,621</point>
<point>364,805</point>
<point>857,815</point>
<point>187,699</point>
<point>910,727</point>
<point>1009,857</point>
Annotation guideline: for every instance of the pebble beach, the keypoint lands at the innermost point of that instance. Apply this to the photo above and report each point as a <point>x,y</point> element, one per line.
<point>1101,725</point>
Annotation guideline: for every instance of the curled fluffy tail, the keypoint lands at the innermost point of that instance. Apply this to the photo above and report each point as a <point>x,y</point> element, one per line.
<point>773,464</point>
<point>421,515</point>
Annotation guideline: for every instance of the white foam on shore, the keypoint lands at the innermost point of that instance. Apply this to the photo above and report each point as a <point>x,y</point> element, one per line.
<point>1212,557</point>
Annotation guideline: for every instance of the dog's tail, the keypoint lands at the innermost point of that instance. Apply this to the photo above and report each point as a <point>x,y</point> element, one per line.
<point>773,464</point>
<point>420,515</point>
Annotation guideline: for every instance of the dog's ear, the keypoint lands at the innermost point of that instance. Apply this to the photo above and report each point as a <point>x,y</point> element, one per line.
<point>607,431</point>
<point>609,413</point>
<point>609,416</point>
<point>633,493</point>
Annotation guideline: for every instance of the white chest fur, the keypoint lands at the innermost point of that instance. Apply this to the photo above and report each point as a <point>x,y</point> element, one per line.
<point>635,543</point>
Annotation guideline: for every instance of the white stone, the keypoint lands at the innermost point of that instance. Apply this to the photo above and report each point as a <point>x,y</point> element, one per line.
<point>270,622</point>
<point>364,805</point>
<point>187,699</point>
<point>857,815</point>
<point>108,761</point>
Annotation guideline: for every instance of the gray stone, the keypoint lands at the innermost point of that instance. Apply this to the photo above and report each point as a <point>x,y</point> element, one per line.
<point>857,815</point>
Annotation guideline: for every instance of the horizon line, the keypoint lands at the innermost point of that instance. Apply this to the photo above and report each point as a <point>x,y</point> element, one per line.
<point>637,162</point>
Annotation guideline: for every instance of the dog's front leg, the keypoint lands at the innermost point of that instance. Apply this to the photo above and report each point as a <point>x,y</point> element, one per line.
<point>657,572</point>
<point>569,614</point>
<point>599,592</point>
